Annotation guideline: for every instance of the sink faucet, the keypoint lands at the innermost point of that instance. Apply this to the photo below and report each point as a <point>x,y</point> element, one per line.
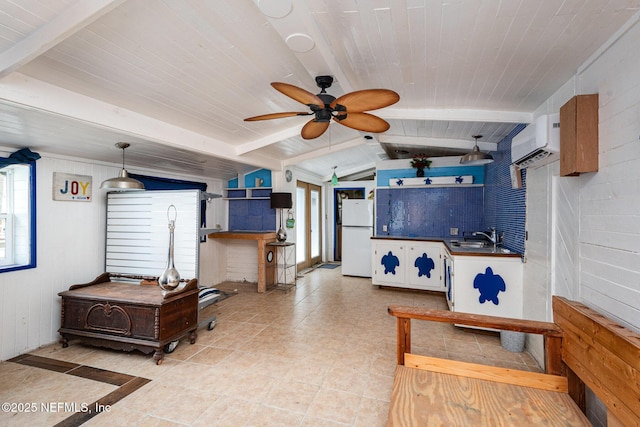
<point>493,237</point>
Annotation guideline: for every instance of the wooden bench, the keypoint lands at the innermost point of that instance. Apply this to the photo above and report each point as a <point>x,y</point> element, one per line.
<point>581,347</point>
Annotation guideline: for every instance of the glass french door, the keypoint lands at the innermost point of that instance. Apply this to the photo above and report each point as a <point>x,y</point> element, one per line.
<point>309,224</point>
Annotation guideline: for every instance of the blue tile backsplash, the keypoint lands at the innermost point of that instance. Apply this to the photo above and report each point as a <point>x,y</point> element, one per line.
<point>250,207</point>
<point>254,215</point>
<point>505,207</point>
<point>428,212</point>
<point>431,212</point>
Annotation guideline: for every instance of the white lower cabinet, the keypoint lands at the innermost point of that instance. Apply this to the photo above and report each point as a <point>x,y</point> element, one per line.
<point>477,284</point>
<point>407,264</point>
<point>388,261</point>
<point>424,266</point>
<point>447,277</point>
<point>486,285</point>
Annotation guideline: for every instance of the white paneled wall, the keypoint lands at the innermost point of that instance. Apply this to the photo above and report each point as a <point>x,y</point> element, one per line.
<point>565,193</point>
<point>70,249</point>
<point>584,232</point>
<point>537,268</point>
<point>242,260</point>
<point>591,251</point>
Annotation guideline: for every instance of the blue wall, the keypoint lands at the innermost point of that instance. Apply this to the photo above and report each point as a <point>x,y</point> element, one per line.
<point>263,174</point>
<point>504,206</point>
<point>250,179</point>
<point>384,175</point>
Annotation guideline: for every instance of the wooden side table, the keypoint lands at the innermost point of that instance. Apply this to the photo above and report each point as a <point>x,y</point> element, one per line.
<point>262,238</point>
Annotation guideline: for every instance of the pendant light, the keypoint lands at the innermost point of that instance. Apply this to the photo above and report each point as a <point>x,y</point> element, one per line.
<point>122,182</point>
<point>476,157</point>
<point>334,177</point>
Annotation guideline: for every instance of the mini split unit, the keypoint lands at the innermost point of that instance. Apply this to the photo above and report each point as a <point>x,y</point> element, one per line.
<point>538,144</point>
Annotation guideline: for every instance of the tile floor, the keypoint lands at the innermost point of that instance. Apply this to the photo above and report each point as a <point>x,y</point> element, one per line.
<point>322,354</point>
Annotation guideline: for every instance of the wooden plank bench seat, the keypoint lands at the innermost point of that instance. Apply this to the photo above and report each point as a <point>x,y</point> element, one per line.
<point>581,347</point>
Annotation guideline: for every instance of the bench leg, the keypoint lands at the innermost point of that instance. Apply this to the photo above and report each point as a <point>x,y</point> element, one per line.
<point>553,364</point>
<point>404,338</point>
<point>577,390</point>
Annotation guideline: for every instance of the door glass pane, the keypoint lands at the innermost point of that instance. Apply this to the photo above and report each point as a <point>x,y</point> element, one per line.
<point>315,223</point>
<point>301,225</point>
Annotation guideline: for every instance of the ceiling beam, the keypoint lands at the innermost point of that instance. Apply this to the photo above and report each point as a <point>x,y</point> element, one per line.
<point>364,169</point>
<point>73,19</point>
<point>324,151</point>
<point>417,141</point>
<point>27,92</point>
<point>268,140</point>
<point>455,114</point>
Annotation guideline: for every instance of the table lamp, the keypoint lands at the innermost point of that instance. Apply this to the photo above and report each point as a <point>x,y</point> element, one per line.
<point>281,201</point>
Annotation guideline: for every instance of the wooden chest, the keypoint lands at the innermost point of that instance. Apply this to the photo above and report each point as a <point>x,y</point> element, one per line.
<point>126,316</point>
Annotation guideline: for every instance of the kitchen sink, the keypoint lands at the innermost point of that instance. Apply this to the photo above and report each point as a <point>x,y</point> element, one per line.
<point>477,246</point>
<point>469,244</point>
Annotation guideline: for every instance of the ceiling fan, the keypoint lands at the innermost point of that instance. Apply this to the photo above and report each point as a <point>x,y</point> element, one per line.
<point>348,110</point>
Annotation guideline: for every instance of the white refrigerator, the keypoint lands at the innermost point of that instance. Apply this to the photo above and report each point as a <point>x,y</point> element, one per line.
<point>357,229</point>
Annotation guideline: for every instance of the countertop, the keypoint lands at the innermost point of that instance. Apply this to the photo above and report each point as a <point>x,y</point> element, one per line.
<point>456,246</point>
<point>244,234</point>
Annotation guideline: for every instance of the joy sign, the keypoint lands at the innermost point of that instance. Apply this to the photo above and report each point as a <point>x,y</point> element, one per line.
<point>75,188</point>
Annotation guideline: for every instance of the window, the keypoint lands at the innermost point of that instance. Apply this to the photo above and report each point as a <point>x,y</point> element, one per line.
<point>17,217</point>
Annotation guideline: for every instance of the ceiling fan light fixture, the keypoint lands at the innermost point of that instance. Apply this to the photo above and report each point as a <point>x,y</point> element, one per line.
<point>122,182</point>
<point>323,115</point>
<point>349,109</point>
<point>475,156</point>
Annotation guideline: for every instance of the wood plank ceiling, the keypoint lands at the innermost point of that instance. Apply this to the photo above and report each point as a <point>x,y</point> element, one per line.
<point>177,78</point>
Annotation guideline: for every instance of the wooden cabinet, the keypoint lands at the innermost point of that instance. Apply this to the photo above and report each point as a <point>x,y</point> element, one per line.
<point>579,135</point>
<point>127,316</point>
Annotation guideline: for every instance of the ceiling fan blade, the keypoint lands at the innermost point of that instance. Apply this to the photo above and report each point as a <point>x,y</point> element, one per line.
<point>274,116</point>
<point>299,94</point>
<point>365,100</point>
<point>314,129</point>
<point>365,122</point>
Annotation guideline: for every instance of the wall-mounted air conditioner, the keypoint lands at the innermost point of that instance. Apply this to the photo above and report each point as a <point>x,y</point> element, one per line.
<point>538,143</point>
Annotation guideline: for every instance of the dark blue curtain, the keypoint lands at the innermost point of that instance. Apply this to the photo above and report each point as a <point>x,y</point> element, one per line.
<point>21,156</point>
<point>156,183</point>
